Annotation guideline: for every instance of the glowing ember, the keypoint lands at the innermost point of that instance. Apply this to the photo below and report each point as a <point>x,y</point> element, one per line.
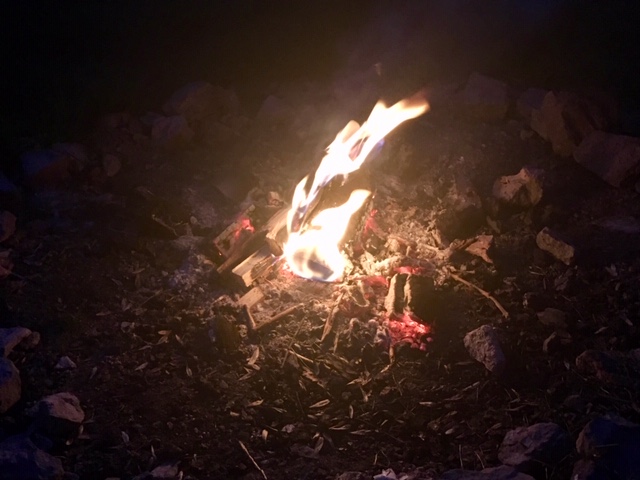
<point>313,246</point>
<point>409,329</point>
<point>244,227</point>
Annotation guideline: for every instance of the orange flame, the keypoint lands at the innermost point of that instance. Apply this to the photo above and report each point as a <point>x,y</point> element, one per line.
<point>313,246</point>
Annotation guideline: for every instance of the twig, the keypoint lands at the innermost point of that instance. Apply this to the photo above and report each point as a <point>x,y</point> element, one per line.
<point>264,475</point>
<point>293,339</point>
<point>279,316</point>
<point>482,292</point>
<point>328,325</point>
<point>248,319</point>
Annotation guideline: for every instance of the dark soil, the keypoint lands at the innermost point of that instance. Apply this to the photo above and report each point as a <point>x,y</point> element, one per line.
<point>161,380</point>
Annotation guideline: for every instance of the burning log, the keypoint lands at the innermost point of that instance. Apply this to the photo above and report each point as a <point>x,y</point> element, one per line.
<point>255,266</point>
<point>227,241</point>
<point>248,248</point>
<point>276,229</point>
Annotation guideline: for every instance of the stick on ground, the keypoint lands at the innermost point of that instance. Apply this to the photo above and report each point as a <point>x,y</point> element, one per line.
<point>264,475</point>
<point>482,292</point>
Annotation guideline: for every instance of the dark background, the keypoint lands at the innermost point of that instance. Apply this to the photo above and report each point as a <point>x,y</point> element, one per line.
<point>67,62</point>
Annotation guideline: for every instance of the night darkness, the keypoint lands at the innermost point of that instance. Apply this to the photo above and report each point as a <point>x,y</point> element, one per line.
<point>65,63</point>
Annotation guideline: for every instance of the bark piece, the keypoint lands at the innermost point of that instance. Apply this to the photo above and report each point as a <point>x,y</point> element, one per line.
<point>553,243</point>
<point>524,189</point>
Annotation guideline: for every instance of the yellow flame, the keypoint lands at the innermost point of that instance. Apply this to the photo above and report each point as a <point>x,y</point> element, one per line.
<point>313,247</point>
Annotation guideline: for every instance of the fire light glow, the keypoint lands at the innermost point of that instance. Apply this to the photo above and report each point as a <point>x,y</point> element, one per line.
<point>313,246</point>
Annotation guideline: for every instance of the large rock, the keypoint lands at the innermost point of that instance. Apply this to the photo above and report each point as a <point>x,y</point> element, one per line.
<point>502,472</point>
<point>10,337</point>
<point>612,157</point>
<point>59,417</point>
<point>529,101</point>
<point>613,368</point>
<point>587,469</point>
<point>485,98</point>
<point>198,100</point>
<point>45,169</point>
<point>521,190</point>
<point>483,345</point>
<point>10,385</point>
<point>21,459</point>
<point>526,448</point>
<point>566,118</point>
<point>614,446</point>
<point>171,131</point>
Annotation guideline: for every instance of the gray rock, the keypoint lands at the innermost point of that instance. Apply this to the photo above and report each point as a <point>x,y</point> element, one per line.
<point>553,243</point>
<point>565,118</point>
<point>10,385</point>
<point>65,363</point>
<point>111,164</point>
<point>352,476</point>
<point>483,345</point>
<point>46,169</point>
<point>11,337</point>
<point>198,100</point>
<point>614,158</point>
<point>485,98</point>
<point>21,459</point>
<point>166,471</point>
<point>171,131</point>
<point>502,472</point>
<point>527,447</point>
<point>613,368</point>
<point>59,417</point>
<point>613,444</point>
<point>524,189</point>
<point>553,317</point>
<point>529,101</point>
<point>589,470</point>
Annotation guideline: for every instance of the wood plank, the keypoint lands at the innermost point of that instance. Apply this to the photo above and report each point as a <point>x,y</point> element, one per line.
<point>252,297</point>
<point>254,266</point>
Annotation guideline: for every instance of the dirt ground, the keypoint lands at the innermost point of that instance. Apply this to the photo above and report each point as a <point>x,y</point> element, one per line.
<point>120,275</point>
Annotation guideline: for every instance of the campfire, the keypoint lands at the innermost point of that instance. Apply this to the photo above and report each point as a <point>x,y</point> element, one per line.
<point>307,238</point>
<point>312,249</point>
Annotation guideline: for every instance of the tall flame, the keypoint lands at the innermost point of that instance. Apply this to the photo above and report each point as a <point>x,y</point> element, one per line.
<point>313,246</point>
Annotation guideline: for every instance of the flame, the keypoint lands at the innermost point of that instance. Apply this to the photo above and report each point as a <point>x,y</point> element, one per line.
<point>313,246</point>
